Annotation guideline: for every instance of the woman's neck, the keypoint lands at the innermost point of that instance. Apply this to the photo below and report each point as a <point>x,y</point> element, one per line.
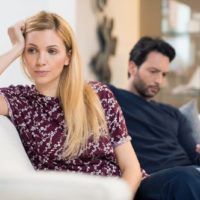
<point>47,90</point>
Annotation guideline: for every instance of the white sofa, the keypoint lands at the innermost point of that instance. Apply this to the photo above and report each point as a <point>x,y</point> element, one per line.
<point>19,181</point>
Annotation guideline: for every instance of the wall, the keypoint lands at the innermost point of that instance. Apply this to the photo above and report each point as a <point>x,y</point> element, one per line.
<point>86,34</point>
<point>126,24</point>
<point>12,11</point>
<point>125,13</point>
<point>150,18</point>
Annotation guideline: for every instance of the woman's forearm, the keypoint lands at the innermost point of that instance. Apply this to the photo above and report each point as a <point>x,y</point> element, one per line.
<point>7,58</point>
<point>15,33</point>
<point>129,165</point>
<point>133,179</point>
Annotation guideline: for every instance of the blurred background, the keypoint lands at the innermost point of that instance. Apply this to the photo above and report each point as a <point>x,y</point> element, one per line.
<point>106,30</point>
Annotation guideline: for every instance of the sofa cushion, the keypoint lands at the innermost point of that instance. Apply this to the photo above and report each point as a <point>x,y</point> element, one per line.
<point>12,154</point>
<point>46,185</point>
<point>190,111</point>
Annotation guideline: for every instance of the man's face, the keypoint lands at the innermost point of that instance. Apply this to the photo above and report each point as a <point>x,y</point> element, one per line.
<point>149,77</point>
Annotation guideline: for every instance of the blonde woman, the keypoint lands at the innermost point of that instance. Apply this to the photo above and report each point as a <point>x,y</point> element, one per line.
<point>64,123</point>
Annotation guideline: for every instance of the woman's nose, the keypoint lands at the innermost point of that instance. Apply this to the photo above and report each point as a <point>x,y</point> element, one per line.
<point>41,59</point>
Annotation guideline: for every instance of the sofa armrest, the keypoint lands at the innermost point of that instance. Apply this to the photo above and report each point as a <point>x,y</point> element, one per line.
<point>12,154</point>
<point>46,185</point>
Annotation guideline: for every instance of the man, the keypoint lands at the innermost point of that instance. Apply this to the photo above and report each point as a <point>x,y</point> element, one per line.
<point>161,135</point>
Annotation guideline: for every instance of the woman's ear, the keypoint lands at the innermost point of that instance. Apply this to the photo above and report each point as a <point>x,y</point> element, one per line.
<point>68,58</point>
<point>132,68</point>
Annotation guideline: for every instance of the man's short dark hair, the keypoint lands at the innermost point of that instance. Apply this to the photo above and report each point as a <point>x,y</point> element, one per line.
<point>146,45</point>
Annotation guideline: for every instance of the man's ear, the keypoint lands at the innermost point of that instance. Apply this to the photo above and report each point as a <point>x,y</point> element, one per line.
<point>132,68</point>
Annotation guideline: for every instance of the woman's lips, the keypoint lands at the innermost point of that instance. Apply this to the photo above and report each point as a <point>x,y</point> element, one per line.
<point>41,73</point>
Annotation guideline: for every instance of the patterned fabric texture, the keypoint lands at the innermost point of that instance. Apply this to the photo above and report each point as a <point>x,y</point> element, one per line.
<point>40,122</point>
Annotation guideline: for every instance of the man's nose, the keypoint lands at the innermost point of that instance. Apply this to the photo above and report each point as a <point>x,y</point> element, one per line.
<point>159,79</point>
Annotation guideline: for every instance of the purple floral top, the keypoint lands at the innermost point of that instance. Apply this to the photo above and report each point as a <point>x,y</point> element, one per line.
<point>40,122</point>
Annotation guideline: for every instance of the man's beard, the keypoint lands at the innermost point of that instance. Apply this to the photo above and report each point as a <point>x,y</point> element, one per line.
<point>147,92</point>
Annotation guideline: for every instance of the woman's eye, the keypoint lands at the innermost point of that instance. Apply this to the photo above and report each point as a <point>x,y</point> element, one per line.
<point>31,50</point>
<point>52,51</point>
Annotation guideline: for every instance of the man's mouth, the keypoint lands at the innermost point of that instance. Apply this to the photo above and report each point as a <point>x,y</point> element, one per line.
<point>154,89</point>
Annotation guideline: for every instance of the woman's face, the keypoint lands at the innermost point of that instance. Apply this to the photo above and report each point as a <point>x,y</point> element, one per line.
<point>44,57</point>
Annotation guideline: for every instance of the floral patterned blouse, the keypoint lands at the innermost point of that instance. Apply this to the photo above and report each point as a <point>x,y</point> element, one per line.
<point>40,122</point>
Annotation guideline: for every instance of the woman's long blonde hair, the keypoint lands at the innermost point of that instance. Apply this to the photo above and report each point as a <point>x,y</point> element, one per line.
<point>83,112</point>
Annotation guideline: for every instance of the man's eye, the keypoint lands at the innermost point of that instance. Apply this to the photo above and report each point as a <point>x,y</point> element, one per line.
<point>164,75</point>
<point>52,51</point>
<point>31,50</point>
<point>153,71</point>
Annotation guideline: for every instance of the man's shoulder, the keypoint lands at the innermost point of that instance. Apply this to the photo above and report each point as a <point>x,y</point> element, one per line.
<point>120,94</point>
<point>165,105</point>
<point>118,91</point>
<point>167,108</point>
<point>112,87</point>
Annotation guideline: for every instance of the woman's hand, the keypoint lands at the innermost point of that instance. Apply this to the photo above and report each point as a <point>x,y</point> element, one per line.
<point>15,33</point>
